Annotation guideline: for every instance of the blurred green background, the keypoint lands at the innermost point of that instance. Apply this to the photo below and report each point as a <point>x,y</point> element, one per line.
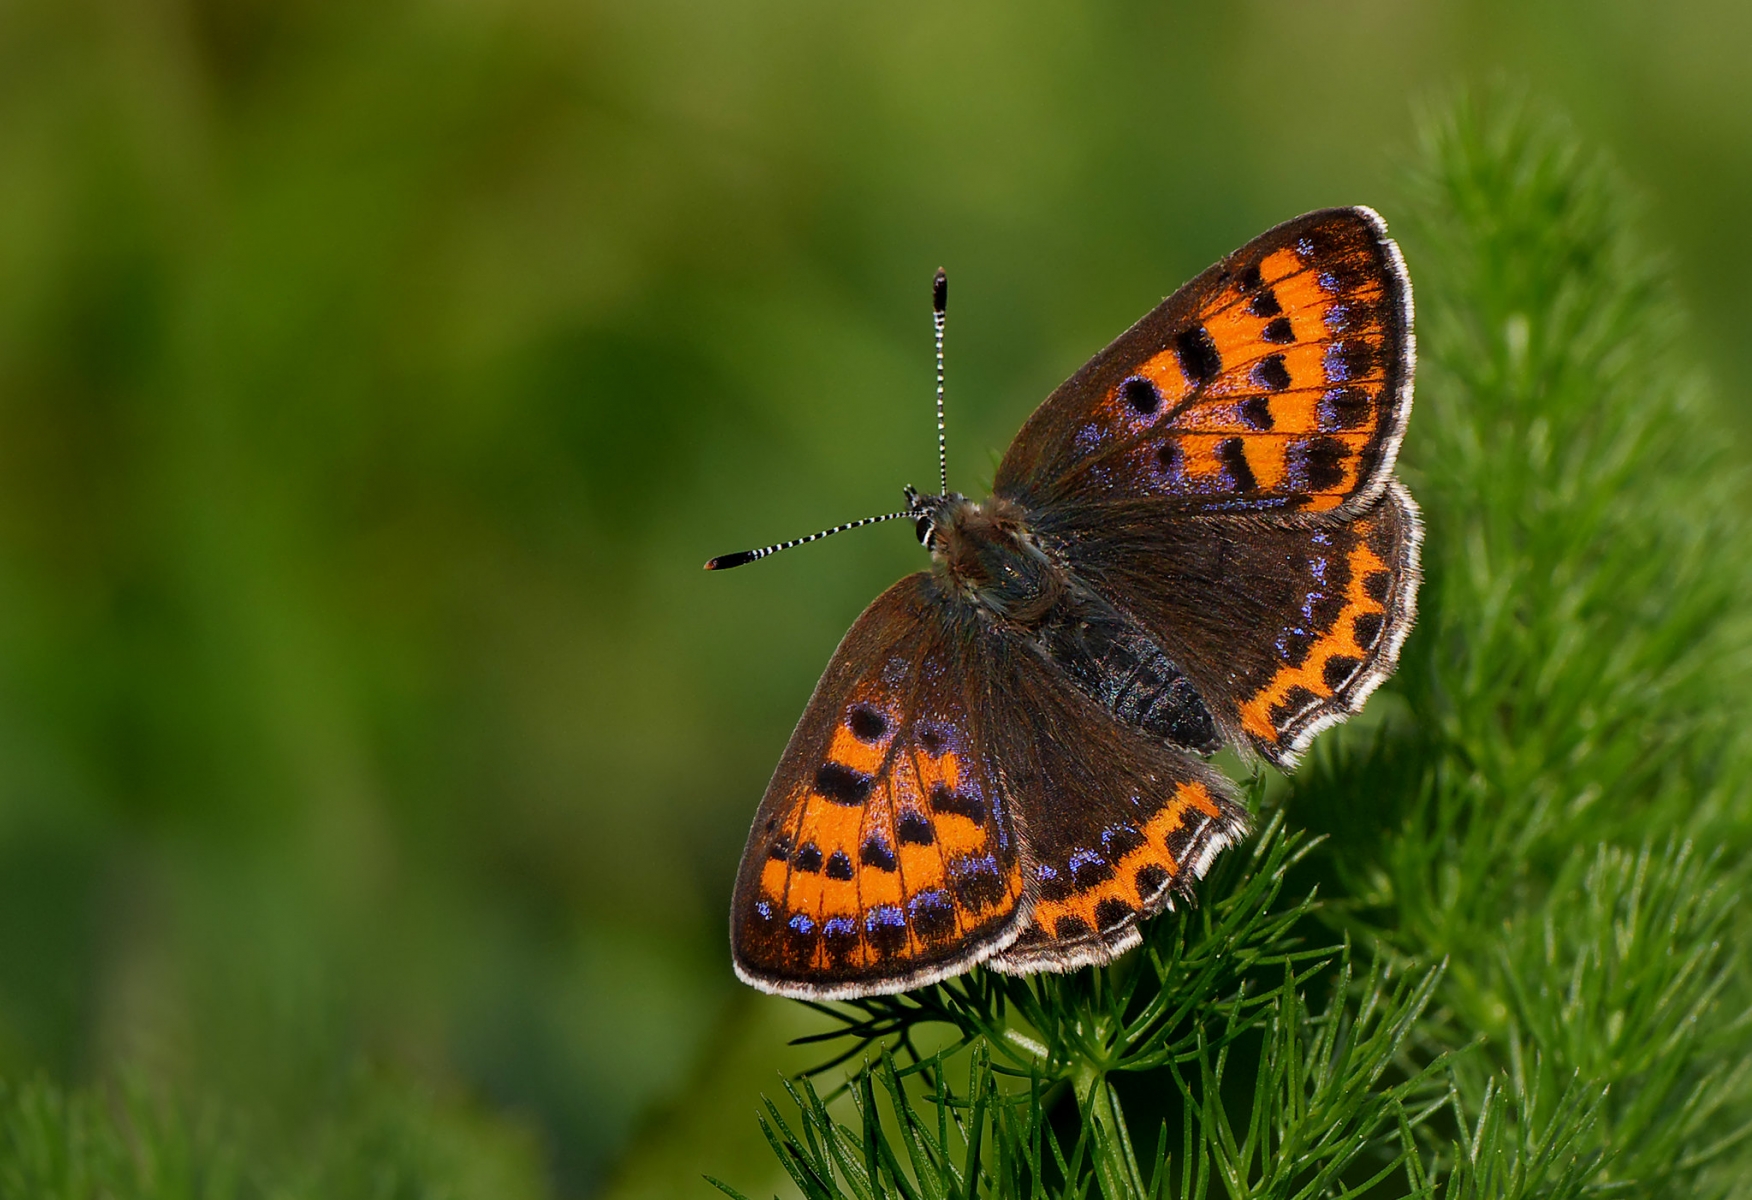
<point>375,378</point>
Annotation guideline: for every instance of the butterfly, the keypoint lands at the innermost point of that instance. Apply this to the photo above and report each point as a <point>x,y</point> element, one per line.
<point>1196,541</point>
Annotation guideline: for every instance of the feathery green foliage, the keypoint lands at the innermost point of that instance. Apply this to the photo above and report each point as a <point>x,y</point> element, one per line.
<point>1530,971</point>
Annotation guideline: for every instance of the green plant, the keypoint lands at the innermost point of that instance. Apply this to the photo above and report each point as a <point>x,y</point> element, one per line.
<point>380,1142</point>
<point>1530,973</point>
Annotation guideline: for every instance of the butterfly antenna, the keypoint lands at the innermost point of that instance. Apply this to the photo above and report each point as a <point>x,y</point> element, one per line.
<point>725,561</point>
<point>939,307</point>
<point>939,316</point>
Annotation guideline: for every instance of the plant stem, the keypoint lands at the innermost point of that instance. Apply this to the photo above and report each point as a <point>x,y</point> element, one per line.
<point>1099,1109</point>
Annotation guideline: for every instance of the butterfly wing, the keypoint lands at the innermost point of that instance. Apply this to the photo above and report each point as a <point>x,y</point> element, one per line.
<point>1116,823</point>
<point>884,855</point>
<point>1284,627</point>
<point>1223,473</point>
<point>1279,380</point>
<point>888,851</point>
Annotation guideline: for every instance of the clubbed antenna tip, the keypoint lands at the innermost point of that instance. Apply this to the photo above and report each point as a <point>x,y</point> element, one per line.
<point>940,306</point>
<point>725,561</point>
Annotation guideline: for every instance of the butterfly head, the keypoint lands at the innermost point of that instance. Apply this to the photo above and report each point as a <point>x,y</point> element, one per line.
<point>932,513</point>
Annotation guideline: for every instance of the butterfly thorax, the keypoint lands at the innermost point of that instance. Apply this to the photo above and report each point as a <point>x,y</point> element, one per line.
<point>986,555</point>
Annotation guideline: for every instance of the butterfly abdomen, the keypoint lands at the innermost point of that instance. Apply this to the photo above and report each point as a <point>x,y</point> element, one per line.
<point>1113,660</point>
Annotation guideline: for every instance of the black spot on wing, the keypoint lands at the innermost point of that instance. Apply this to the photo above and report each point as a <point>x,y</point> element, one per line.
<point>1279,332</point>
<point>840,936</point>
<point>1112,913</point>
<point>808,858</point>
<point>1089,870</point>
<point>1265,304</point>
<point>932,914</point>
<point>801,934</point>
<point>1319,463</point>
<point>839,866</point>
<point>977,883</point>
<point>1151,879</point>
<point>1233,456</point>
<point>1349,360</point>
<point>875,853</point>
<point>1120,841</point>
<point>866,723</point>
<point>1054,884</point>
<point>1345,408</point>
<point>1293,646</point>
<point>1199,358</point>
<point>1072,928</point>
<point>1178,841</point>
<point>1365,629</point>
<point>1296,701</point>
<point>885,929</point>
<point>1256,411</point>
<point>842,785</point>
<point>1338,670</point>
<point>1141,394</point>
<point>1351,316</point>
<point>913,830</point>
<point>943,800</point>
<point>1271,373</point>
<point>1344,275</point>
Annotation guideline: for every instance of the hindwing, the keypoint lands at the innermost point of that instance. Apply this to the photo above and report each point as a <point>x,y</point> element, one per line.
<point>1284,627</point>
<point>1116,823</point>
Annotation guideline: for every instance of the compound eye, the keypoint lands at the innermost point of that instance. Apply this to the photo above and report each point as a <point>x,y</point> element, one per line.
<point>923,525</point>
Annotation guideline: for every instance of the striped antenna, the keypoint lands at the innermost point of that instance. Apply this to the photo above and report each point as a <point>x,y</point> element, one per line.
<point>939,317</point>
<point>725,561</point>
<point>939,306</point>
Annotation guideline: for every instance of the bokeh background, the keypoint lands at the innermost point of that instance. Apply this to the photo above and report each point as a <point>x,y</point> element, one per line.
<point>374,379</point>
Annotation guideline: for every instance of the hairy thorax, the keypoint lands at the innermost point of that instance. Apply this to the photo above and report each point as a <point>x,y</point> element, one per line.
<point>986,555</point>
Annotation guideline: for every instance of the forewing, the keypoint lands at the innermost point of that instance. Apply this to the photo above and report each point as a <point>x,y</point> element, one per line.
<point>1115,823</point>
<point>884,855</point>
<point>1279,380</point>
<point>1283,627</point>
